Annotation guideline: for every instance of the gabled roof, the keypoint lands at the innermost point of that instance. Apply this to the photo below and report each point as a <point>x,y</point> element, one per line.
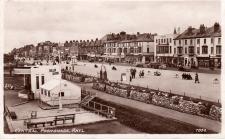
<point>51,84</point>
<point>209,32</point>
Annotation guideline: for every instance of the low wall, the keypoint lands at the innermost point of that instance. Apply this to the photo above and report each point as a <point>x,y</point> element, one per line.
<point>167,100</point>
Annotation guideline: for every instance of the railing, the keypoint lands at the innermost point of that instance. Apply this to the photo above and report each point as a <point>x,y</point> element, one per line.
<point>100,109</point>
<point>54,122</point>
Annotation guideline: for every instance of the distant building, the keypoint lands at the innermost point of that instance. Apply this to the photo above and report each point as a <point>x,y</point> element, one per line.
<point>36,76</point>
<point>199,47</point>
<point>130,48</point>
<point>165,49</point>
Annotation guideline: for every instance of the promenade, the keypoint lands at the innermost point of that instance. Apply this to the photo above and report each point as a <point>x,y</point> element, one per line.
<point>166,82</point>
<point>164,112</point>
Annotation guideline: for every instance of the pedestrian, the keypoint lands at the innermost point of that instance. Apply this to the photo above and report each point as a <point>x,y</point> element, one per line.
<point>196,78</point>
<point>135,72</point>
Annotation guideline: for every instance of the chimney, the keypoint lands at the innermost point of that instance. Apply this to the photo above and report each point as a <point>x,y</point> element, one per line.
<point>175,31</point>
<point>202,28</point>
<point>189,29</point>
<point>216,27</point>
<point>178,30</point>
<point>138,33</point>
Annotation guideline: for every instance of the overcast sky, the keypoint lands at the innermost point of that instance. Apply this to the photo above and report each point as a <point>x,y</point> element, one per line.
<point>32,22</point>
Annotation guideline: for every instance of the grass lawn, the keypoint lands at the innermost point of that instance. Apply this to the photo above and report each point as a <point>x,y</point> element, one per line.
<point>149,123</point>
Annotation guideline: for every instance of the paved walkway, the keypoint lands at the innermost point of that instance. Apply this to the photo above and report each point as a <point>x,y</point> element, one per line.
<point>164,112</point>
<point>206,90</point>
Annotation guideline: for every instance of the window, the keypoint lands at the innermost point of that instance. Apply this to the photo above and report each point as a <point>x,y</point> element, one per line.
<point>212,40</point>
<point>185,42</point>
<point>139,49</point>
<point>204,49</point>
<point>42,80</point>
<point>37,82</point>
<point>170,40</point>
<point>174,50</point>
<point>185,50</point>
<point>170,49</point>
<point>198,41</point>
<point>125,50</point>
<point>179,42</point>
<point>147,50</point>
<point>48,93</point>
<point>45,92</point>
<point>218,49</point>
<point>41,91</point>
<point>174,42</point>
<point>161,40</point>
<point>191,42</point>
<point>167,40</point>
<point>191,50</point>
<point>212,51</point>
<point>219,40</point>
<point>198,50</point>
<point>156,40</point>
<point>204,41</point>
<point>62,94</point>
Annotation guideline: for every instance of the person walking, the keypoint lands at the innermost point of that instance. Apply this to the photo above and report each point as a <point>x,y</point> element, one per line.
<point>135,72</point>
<point>196,78</point>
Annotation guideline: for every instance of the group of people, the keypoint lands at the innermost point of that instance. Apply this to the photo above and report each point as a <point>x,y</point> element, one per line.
<point>186,76</point>
<point>141,74</point>
<point>9,86</point>
<point>132,73</point>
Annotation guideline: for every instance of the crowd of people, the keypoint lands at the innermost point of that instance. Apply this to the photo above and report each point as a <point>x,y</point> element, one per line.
<point>141,74</point>
<point>9,86</point>
<point>186,76</point>
<point>132,73</point>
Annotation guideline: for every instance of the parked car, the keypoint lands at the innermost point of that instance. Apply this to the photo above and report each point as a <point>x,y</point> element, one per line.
<point>183,68</point>
<point>162,66</point>
<point>154,65</point>
<point>91,60</point>
<point>139,65</point>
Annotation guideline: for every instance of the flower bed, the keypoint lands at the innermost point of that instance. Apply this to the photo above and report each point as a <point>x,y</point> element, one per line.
<point>215,112</point>
<point>140,96</point>
<point>76,77</point>
<point>168,100</point>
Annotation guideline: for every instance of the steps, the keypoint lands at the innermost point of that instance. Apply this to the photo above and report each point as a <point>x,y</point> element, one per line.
<point>87,99</point>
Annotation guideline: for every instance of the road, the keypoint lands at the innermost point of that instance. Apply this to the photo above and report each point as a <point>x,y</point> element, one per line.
<point>206,90</point>
<point>164,112</point>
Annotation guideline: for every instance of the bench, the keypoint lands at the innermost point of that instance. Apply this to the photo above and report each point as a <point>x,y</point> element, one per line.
<point>35,124</point>
<point>64,118</point>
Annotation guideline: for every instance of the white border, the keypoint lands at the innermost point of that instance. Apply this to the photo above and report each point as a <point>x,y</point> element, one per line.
<point>111,136</point>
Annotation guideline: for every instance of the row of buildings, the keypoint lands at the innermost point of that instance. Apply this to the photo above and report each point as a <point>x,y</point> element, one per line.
<point>194,47</point>
<point>48,50</point>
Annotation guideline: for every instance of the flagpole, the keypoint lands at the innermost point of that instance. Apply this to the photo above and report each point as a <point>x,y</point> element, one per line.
<point>60,103</point>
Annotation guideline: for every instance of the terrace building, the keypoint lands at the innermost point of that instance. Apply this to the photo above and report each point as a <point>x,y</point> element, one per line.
<point>164,48</point>
<point>133,48</point>
<point>199,47</point>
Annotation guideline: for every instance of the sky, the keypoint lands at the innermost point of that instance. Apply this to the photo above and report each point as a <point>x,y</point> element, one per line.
<point>30,22</point>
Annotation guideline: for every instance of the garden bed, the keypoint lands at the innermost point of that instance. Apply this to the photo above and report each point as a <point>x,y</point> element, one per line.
<point>168,100</point>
